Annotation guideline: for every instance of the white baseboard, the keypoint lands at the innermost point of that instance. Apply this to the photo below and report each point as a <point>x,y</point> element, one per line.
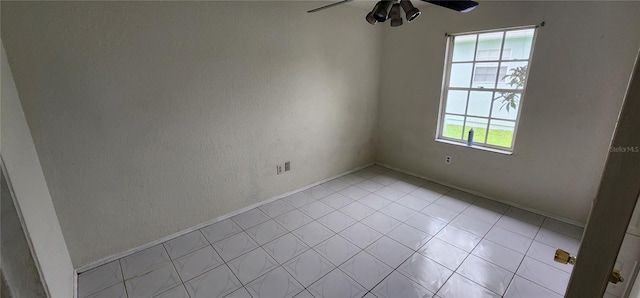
<point>234,213</point>
<point>202,225</point>
<point>569,221</point>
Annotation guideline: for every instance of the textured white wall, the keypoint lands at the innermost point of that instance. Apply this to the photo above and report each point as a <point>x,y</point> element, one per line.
<point>40,221</point>
<point>152,117</point>
<point>581,65</point>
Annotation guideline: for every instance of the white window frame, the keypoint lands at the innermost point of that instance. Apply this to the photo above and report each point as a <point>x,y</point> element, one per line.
<point>446,88</point>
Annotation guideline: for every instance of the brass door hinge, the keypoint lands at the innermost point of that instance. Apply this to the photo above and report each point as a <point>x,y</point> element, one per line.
<point>564,257</point>
<point>616,276</point>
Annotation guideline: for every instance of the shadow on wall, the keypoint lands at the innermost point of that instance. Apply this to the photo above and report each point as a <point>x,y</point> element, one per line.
<point>4,288</point>
<point>20,276</point>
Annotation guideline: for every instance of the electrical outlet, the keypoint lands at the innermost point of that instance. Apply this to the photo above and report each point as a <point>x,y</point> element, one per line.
<point>447,159</point>
<point>287,166</point>
<point>279,169</point>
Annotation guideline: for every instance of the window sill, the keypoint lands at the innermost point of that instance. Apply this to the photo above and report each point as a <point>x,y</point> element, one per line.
<point>475,147</point>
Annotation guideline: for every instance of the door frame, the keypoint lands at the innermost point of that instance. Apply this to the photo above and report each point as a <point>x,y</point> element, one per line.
<point>614,203</point>
<point>27,237</point>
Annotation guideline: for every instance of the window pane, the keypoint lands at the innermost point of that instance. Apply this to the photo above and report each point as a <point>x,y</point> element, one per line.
<point>485,75</point>
<point>501,133</point>
<point>489,43</point>
<point>479,126</point>
<point>519,44</point>
<point>460,75</point>
<point>515,75</point>
<point>506,105</point>
<point>491,54</point>
<point>452,126</point>
<point>463,47</point>
<point>456,102</point>
<point>479,103</point>
<point>506,54</point>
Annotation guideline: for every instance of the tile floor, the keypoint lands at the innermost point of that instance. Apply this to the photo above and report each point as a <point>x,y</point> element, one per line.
<point>373,233</point>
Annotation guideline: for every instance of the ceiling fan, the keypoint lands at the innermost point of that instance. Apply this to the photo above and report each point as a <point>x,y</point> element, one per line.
<point>390,9</point>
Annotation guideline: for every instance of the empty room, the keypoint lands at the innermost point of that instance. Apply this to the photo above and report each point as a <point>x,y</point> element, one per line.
<point>359,148</point>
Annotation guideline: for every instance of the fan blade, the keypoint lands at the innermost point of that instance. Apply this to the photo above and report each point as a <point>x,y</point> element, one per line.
<point>330,5</point>
<point>461,6</point>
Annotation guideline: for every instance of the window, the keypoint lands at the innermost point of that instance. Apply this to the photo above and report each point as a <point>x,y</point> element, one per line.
<point>485,80</point>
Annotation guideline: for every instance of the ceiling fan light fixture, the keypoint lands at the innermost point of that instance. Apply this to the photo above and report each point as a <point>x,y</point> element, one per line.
<point>394,15</point>
<point>371,19</point>
<point>381,10</point>
<point>410,12</point>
